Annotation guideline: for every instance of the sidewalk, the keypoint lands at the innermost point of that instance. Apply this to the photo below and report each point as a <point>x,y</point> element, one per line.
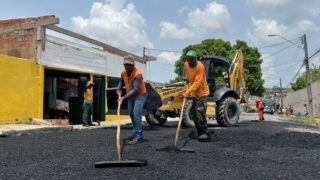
<point>315,122</point>
<point>26,129</point>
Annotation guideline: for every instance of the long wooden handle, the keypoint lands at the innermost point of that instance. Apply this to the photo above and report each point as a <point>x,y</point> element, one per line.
<point>180,121</point>
<point>118,130</point>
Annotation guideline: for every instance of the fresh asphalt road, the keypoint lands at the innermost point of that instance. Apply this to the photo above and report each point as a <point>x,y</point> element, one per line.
<point>273,149</point>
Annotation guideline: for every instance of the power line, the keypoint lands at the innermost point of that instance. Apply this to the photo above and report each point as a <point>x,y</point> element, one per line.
<point>276,44</point>
<point>314,54</point>
<point>295,76</point>
<point>280,50</point>
<point>294,61</point>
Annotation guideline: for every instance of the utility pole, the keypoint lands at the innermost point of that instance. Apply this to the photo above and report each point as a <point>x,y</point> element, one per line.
<point>144,52</point>
<point>281,99</point>
<point>274,102</point>
<point>306,61</point>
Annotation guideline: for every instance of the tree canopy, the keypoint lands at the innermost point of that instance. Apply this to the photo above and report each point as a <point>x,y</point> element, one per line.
<point>220,47</point>
<point>301,81</point>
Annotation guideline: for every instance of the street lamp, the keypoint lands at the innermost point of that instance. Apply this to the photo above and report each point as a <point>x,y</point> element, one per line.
<point>306,62</point>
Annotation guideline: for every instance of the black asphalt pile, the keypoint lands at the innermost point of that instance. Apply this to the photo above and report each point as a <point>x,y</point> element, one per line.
<point>253,150</point>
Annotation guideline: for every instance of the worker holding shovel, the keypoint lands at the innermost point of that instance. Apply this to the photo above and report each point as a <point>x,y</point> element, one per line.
<point>136,95</point>
<point>198,90</point>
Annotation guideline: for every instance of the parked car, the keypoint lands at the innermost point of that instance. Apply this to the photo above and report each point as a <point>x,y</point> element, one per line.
<point>268,109</point>
<point>268,106</point>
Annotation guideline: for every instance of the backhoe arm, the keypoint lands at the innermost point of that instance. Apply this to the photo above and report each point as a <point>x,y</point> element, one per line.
<point>237,76</point>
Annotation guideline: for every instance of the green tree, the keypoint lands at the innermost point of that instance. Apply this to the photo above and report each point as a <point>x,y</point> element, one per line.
<point>301,81</point>
<point>219,47</point>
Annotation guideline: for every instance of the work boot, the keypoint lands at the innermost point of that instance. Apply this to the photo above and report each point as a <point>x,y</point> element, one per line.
<point>131,137</point>
<point>135,141</point>
<point>204,138</point>
<point>91,124</point>
<point>98,122</point>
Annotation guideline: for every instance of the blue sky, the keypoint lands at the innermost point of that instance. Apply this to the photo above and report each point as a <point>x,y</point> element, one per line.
<point>174,24</point>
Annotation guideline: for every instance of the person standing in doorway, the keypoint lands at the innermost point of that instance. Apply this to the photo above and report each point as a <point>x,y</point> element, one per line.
<point>199,91</point>
<point>136,95</point>
<point>87,104</point>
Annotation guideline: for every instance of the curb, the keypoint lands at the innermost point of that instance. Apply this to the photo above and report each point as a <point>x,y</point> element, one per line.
<point>41,130</point>
<point>11,133</point>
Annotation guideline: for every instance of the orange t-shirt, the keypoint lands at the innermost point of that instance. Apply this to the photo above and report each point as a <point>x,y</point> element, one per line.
<point>196,77</point>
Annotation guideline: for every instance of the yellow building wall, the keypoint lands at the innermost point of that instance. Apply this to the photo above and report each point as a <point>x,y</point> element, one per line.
<point>21,89</point>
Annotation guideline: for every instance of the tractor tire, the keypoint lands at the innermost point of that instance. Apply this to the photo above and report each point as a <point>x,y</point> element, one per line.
<point>187,121</point>
<point>156,118</point>
<point>228,112</point>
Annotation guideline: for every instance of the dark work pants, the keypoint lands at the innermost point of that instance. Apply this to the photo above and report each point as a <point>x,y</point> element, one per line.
<point>198,114</point>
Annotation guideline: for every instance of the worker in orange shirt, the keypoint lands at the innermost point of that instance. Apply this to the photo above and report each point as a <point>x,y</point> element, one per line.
<point>136,96</point>
<point>198,90</point>
<point>260,107</point>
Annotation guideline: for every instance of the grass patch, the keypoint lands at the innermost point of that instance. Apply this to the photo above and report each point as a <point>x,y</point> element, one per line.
<point>305,120</point>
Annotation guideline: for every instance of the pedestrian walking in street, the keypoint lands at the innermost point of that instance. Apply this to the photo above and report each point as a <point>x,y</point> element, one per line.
<point>198,90</point>
<point>136,95</point>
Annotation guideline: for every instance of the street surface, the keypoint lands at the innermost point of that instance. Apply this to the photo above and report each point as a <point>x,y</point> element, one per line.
<point>273,149</point>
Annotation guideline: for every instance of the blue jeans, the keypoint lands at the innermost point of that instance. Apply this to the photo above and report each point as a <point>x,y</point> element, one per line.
<point>135,107</point>
<point>87,111</point>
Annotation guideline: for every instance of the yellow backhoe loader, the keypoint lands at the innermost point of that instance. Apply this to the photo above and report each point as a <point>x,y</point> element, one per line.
<point>227,90</point>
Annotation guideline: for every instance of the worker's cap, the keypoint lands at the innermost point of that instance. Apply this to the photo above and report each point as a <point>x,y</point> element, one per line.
<point>90,83</point>
<point>192,55</point>
<point>128,60</point>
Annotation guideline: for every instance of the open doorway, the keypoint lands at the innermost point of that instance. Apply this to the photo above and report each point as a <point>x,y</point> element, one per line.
<point>58,87</point>
<point>99,97</point>
<point>63,96</point>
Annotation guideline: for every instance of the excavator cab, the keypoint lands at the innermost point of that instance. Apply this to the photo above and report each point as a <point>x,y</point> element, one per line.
<point>227,88</point>
<point>217,72</point>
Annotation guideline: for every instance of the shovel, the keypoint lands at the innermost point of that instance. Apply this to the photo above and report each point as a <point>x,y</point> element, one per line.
<point>119,162</point>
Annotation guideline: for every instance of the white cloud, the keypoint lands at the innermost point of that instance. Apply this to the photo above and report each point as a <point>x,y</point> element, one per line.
<point>308,26</point>
<point>214,17</point>
<point>269,72</point>
<point>270,4</point>
<point>263,27</point>
<point>169,57</point>
<point>288,10</point>
<point>183,9</point>
<point>171,30</point>
<point>114,23</point>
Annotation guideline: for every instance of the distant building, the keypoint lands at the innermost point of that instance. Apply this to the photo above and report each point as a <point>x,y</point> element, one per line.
<point>298,98</point>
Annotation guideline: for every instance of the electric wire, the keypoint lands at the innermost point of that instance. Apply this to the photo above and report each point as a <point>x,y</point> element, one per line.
<point>294,61</point>
<point>295,76</point>
<point>276,44</point>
